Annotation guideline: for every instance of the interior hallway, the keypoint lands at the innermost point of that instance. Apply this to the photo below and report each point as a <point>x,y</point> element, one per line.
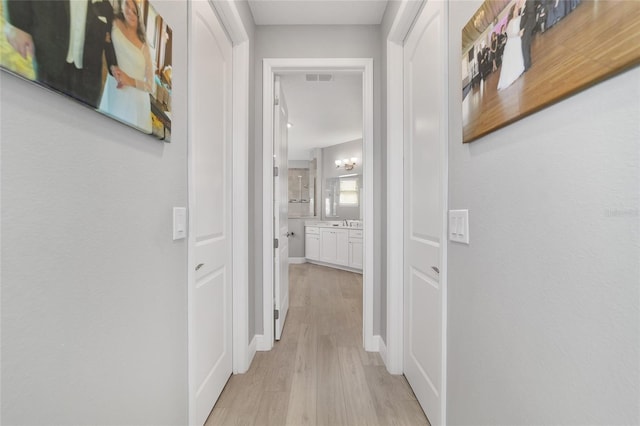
<point>318,374</point>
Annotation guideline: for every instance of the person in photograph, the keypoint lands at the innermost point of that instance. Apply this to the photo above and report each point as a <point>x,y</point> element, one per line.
<point>512,60</point>
<point>126,91</point>
<point>502,41</point>
<point>493,52</point>
<point>65,38</point>
<point>527,24</point>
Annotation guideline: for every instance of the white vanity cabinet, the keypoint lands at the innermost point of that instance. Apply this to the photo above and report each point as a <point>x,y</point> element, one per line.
<point>334,246</point>
<point>355,249</point>
<point>312,242</point>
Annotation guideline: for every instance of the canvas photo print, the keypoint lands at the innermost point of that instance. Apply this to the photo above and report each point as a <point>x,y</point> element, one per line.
<point>519,56</point>
<point>114,56</point>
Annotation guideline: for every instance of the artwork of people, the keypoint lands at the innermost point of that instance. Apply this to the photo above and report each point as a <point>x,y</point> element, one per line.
<point>521,55</point>
<point>111,55</point>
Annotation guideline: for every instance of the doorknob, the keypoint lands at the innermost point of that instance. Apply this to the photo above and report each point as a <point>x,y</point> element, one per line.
<point>290,234</point>
<point>200,265</point>
<point>435,268</point>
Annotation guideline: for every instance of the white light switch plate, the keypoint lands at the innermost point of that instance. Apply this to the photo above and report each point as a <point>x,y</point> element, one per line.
<point>459,226</point>
<point>179,223</point>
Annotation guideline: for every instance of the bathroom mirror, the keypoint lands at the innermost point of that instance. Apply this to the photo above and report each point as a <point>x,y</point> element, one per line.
<point>342,197</point>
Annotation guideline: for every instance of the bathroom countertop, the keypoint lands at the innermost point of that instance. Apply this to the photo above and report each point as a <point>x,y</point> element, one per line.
<point>334,224</point>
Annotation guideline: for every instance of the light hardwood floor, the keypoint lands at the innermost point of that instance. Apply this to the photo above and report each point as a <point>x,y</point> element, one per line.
<point>318,374</point>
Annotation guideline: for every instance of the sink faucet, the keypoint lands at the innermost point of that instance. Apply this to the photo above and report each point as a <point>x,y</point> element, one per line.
<point>346,223</point>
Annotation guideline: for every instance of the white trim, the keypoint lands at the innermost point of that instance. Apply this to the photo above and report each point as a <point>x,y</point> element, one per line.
<point>382,348</point>
<point>251,350</point>
<point>335,266</point>
<point>191,276</point>
<point>267,207</point>
<point>232,22</point>
<point>369,190</point>
<point>289,65</point>
<point>262,343</point>
<point>444,276</point>
<point>297,260</point>
<point>241,361</point>
<point>395,183</point>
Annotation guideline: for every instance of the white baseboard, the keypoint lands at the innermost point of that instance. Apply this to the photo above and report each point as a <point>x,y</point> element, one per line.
<point>297,260</point>
<point>382,349</point>
<point>334,266</point>
<point>372,343</point>
<point>252,351</point>
<point>262,344</point>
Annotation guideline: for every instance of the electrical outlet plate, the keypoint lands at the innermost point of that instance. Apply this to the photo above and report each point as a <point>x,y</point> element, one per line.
<point>459,226</point>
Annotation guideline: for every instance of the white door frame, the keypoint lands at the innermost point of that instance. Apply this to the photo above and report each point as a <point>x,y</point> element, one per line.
<point>243,350</point>
<point>232,23</point>
<point>403,22</point>
<point>191,250</point>
<point>295,65</point>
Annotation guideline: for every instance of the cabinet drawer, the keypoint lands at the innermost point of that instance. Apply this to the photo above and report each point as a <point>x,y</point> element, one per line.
<point>312,230</point>
<point>355,234</point>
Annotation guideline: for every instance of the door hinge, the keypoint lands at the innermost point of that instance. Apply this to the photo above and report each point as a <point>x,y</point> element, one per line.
<point>275,243</point>
<point>275,171</point>
<point>276,101</point>
<point>276,314</point>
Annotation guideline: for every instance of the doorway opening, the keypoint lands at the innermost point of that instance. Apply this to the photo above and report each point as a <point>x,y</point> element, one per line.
<point>330,175</point>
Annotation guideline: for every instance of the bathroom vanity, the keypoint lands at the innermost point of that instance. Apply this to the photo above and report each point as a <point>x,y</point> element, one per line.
<point>335,244</point>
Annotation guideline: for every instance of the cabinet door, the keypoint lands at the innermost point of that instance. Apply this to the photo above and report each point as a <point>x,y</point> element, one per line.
<point>355,253</point>
<point>312,247</point>
<point>342,247</point>
<point>328,245</point>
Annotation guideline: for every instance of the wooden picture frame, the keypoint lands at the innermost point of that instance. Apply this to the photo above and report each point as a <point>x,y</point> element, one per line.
<point>573,44</point>
<point>35,44</point>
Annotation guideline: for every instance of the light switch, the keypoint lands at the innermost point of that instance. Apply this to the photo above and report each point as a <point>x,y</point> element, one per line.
<point>459,226</point>
<point>179,223</point>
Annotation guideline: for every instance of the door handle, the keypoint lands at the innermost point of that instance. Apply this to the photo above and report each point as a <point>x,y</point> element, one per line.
<point>290,234</point>
<point>435,268</point>
<point>199,266</point>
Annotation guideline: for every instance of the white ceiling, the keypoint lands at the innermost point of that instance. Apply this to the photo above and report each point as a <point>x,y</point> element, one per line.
<point>322,113</point>
<point>317,12</point>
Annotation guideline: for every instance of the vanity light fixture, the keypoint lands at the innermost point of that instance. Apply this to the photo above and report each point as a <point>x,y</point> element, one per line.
<point>346,163</point>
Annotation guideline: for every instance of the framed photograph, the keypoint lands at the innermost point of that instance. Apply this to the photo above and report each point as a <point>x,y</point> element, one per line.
<point>97,52</point>
<point>519,56</point>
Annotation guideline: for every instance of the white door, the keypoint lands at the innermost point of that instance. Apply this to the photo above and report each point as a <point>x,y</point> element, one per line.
<point>424,203</point>
<point>210,243</point>
<point>280,209</point>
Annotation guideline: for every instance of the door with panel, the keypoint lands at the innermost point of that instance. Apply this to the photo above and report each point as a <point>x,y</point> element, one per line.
<point>210,239</point>
<point>424,206</point>
<point>281,209</point>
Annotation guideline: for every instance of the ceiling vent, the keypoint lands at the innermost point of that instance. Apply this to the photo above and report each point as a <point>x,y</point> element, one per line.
<point>319,77</point>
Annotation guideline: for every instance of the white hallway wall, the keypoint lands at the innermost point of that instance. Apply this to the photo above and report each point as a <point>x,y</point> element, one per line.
<point>340,41</point>
<point>544,303</point>
<point>94,295</point>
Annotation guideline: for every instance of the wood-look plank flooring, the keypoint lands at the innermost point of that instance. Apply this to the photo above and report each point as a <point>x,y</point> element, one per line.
<point>318,374</point>
<point>595,40</point>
